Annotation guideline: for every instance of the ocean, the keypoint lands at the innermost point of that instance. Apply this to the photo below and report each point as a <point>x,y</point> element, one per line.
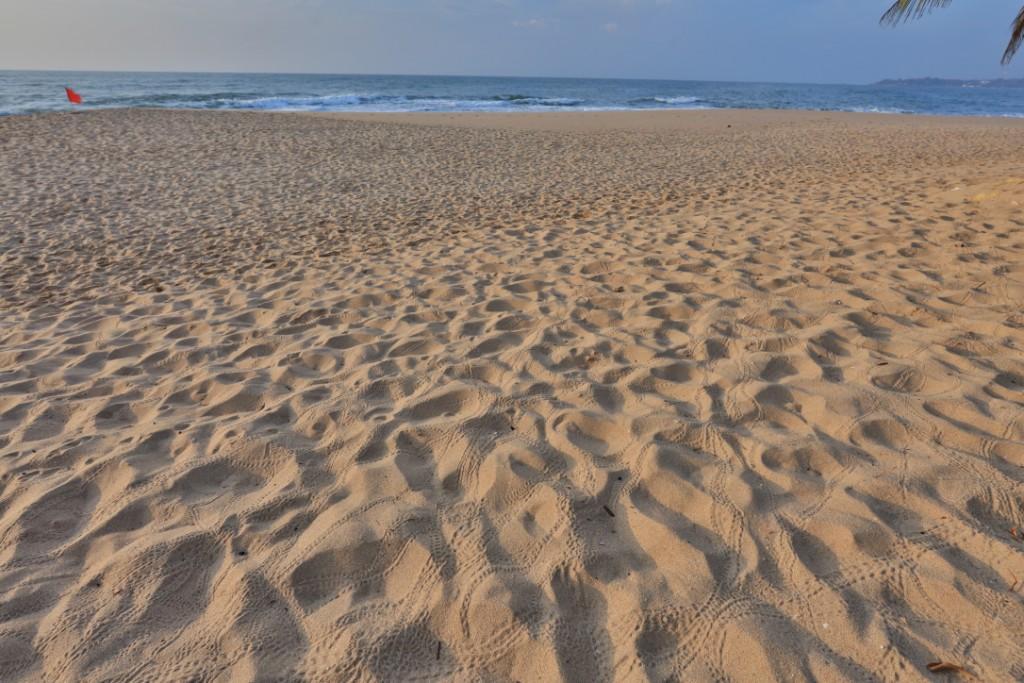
<point>23,92</point>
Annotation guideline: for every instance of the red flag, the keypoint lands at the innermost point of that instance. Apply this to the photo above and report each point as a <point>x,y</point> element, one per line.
<point>73,97</point>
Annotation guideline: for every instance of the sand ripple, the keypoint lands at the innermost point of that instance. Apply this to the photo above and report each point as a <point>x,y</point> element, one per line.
<point>683,403</point>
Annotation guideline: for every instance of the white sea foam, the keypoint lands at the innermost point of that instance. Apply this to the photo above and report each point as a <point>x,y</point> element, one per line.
<point>394,103</point>
<point>876,110</point>
<point>680,99</point>
<point>27,92</point>
<point>308,103</point>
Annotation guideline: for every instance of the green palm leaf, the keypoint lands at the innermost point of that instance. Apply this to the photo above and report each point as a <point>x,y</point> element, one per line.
<point>905,10</point>
<point>1016,37</point>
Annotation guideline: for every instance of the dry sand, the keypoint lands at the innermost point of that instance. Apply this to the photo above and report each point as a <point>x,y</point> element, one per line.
<point>677,396</point>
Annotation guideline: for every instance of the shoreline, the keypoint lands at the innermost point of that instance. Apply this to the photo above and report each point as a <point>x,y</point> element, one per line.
<point>660,119</point>
<point>436,116</point>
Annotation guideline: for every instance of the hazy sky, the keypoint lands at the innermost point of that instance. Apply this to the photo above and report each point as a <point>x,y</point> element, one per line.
<point>781,40</point>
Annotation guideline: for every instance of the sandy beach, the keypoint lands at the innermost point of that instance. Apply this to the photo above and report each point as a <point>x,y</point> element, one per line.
<point>666,396</point>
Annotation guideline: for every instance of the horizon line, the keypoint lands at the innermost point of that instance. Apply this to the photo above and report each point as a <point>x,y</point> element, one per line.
<point>437,75</point>
<point>497,76</point>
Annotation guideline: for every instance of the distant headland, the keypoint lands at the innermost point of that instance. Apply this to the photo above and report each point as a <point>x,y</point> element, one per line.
<point>956,82</point>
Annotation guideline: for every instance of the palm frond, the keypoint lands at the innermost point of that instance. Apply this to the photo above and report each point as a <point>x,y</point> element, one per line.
<point>1016,37</point>
<point>905,10</point>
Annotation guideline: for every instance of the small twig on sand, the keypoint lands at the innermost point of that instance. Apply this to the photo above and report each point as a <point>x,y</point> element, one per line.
<point>947,668</point>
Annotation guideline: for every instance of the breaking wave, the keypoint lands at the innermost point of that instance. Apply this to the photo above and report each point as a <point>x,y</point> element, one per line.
<point>394,103</point>
<point>29,92</point>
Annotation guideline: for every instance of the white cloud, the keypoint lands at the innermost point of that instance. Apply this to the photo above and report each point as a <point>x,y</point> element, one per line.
<point>530,23</point>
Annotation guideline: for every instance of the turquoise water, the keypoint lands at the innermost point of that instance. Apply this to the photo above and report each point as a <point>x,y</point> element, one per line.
<point>26,92</point>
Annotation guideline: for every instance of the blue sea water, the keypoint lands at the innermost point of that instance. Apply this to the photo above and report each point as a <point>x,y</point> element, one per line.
<point>36,91</point>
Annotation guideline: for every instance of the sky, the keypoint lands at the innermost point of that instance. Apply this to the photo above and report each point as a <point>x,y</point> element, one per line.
<point>809,41</point>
